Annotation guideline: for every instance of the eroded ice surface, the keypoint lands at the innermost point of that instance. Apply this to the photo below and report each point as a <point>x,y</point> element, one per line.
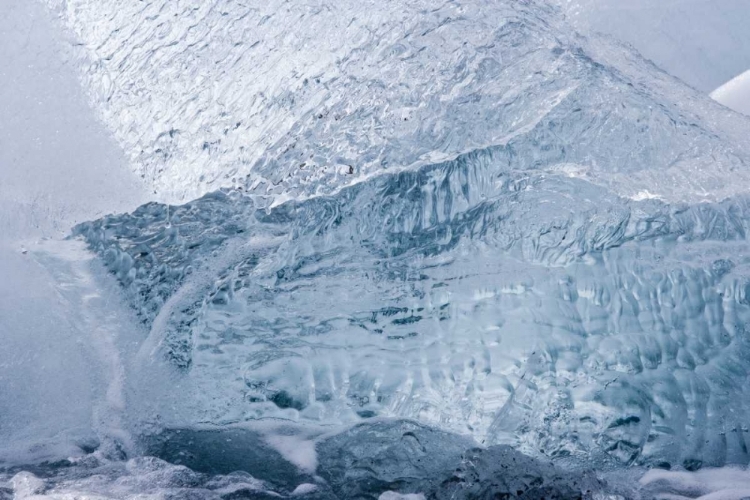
<point>461,214</point>
<point>573,282</point>
<point>291,99</point>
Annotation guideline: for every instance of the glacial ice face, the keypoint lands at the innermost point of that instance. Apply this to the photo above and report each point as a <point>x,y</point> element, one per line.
<point>521,308</point>
<point>559,261</point>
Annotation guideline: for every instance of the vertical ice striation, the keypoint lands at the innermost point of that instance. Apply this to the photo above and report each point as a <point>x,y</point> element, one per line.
<point>461,213</point>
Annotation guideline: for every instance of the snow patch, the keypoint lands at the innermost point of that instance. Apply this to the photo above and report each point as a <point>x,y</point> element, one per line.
<point>735,94</point>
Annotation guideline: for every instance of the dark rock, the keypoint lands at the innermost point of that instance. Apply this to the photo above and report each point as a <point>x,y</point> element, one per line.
<point>374,457</point>
<point>222,451</point>
<point>500,472</point>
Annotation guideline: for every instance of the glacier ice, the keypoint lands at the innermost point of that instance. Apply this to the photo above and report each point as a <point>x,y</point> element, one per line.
<point>373,460</point>
<point>558,263</point>
<point>453,228</point>
<point>221,93</point>
<point>518,307</point>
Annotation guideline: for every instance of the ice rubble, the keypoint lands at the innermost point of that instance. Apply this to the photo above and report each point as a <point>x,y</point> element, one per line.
<point>373,460</point>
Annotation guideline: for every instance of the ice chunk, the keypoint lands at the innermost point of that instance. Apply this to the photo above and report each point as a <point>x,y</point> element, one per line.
<point>223,451</point>
<point>519,307</point>
<point>557,263</point>
<point>727,483</point>
<point>26,484</point>
<point>502,472</point>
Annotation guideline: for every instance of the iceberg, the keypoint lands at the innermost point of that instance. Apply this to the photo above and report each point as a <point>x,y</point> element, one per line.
<point>420,250</point>
<point>574,286</point>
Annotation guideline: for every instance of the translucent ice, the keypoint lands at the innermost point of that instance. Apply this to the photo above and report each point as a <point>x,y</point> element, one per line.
<point>558,263</point>
<point>223,93</point>
<point>419,232</point>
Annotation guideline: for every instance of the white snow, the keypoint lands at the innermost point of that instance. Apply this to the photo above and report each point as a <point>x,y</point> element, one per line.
<point>735,94</point>
<point>726,483</point>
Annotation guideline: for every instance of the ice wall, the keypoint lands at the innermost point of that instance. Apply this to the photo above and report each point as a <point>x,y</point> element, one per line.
<point>488,223</point>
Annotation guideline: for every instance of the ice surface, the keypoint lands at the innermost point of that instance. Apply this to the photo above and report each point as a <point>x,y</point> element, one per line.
<point>449,229</point>
<point>507,305</point>
<point>374,459</point>
<point>574,283</point>
<point>222,94</point>
<point>379,459</point>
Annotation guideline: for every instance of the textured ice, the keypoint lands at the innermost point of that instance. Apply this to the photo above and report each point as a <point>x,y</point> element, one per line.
<point>519,307</point>
<point>445,227</point>
<point>265,97</point>
<point>573,283</point>
<point>729,483</point>
<point>371,460</point>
